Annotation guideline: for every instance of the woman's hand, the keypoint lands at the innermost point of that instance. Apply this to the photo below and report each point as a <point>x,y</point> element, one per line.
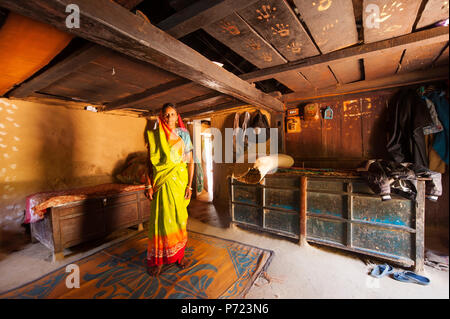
<point>188,193</point>
<point>149,193</point>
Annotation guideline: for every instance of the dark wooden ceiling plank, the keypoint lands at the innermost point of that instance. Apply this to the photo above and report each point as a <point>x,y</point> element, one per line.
<point>162,89</point>
<point>178,97</point>
<point>75,61</point>
<point>238,36</point>
<point>115,75</point>
<point>396,18</point>
<point>372,85</point>
<point>203,102</point>
<point>133,71</point>
<point>110,25</point>
<point>331,23</point>
<point>379,48</point>
<point>235,33</point>
<point>213,108</point>
<point>84,83</point>
<point>207,98</point>
<point>275,21</point>
<point>435,11</point>
<point>200,14</point>
<point>420,58</point>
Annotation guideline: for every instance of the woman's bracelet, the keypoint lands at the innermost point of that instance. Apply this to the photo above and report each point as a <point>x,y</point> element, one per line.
<point>189,187</point>
<point>148,186</point>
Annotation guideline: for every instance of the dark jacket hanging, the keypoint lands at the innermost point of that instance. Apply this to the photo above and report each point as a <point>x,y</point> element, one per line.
<point>407,116</point>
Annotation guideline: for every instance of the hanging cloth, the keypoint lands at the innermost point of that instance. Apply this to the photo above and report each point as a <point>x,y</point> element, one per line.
<point>441,139</point>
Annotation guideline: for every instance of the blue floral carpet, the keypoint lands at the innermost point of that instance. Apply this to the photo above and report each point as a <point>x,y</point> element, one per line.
<point>219,268</point>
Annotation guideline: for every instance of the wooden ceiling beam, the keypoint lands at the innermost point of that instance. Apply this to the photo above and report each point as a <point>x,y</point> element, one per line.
<point>412,40</point>
<point>398,80</point>
<point>108,24</point>
<point>199,14</point>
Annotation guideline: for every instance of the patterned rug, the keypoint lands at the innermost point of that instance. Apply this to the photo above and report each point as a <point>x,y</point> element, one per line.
<point>219,268</point>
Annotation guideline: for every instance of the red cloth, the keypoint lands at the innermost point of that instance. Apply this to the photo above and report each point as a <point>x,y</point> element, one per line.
<point>167,130</point>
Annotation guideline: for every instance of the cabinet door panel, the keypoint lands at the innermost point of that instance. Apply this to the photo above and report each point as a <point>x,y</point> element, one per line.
<point>121,216</point>
<point>81,227</point>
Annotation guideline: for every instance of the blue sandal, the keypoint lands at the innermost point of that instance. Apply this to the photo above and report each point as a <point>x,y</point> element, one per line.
<point>381,271</point>
<point>409,276</point>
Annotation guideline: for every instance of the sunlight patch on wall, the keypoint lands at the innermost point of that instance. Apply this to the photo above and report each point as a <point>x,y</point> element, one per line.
<point>8,148</point>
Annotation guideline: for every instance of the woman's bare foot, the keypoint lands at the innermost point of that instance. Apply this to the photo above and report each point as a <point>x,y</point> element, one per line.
<point>154,271</point>
<point>183,263</point>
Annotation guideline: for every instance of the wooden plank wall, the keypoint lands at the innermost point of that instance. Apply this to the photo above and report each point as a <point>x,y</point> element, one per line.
<point>353,135</point>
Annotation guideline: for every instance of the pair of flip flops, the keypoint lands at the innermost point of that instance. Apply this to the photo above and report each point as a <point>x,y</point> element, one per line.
<point>380,271</point>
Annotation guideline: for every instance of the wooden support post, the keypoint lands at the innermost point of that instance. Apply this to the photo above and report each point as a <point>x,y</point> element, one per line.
<point>349,214</point>
<point>303,195</point>
<point>230,202</point>
<point>420,225</point>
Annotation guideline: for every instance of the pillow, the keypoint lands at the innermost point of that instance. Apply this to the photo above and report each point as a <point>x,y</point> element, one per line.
<point>134,171</point>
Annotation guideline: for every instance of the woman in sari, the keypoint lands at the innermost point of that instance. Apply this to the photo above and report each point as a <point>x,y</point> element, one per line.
<point>169,189</point>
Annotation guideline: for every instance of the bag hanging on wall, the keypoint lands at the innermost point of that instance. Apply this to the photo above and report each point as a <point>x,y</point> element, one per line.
<point>260,124</point>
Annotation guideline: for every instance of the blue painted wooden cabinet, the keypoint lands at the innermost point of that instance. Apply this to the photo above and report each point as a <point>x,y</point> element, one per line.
<point>341,212</point>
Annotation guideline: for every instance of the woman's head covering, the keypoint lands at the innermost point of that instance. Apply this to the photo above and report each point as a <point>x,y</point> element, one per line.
<point>166,128</point>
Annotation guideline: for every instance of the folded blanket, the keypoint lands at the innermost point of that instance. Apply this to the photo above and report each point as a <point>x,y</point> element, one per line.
<point>37,204</point>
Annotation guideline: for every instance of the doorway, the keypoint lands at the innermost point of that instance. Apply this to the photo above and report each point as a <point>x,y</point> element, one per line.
<point>206,193</point>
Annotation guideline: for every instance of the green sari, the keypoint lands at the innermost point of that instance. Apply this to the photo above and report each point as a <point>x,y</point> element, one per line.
<point>168,209</point>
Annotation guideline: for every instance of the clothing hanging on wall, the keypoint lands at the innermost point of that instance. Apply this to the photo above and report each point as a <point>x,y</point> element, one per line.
<point>435,161</point>
<point>408,114</point>
<point>440,144</point>
<point>261,127</point>
<point>258,123</point>
<point>436,127</point>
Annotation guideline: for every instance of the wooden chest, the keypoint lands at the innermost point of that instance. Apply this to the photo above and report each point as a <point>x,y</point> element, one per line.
<point>340,212</point>
<point>77,222</point>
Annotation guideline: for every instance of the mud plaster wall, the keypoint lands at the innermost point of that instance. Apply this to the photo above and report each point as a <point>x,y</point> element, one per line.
<point>221,171</point>
<point>50,147</point>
